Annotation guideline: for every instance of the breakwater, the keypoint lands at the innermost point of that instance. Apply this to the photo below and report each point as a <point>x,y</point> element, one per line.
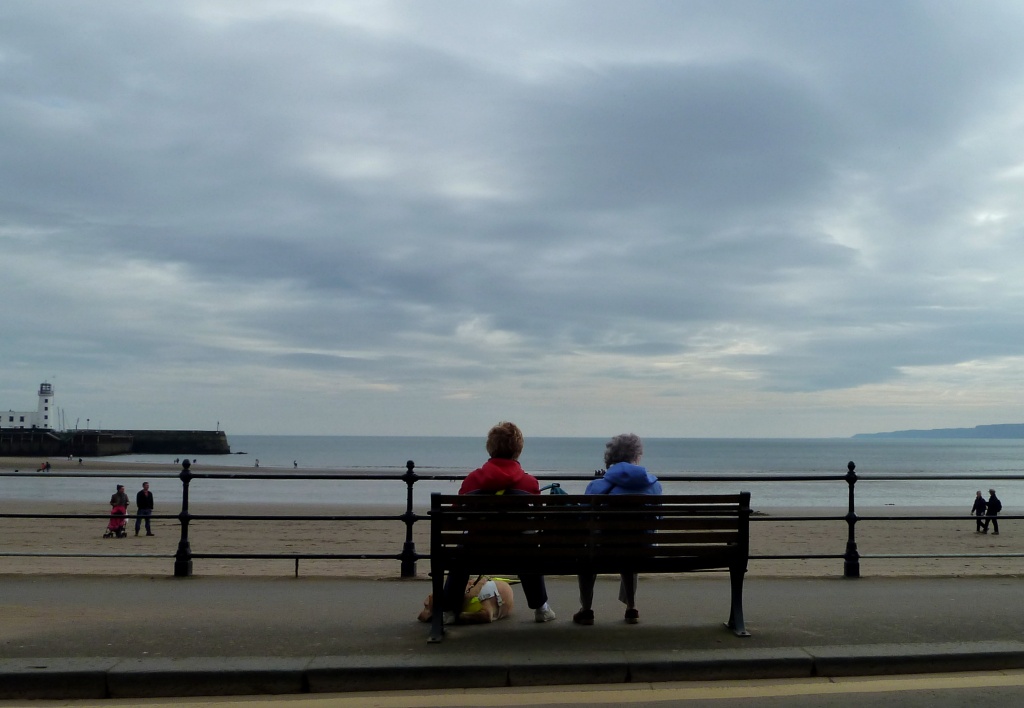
<point>177,442</point>
<point>95,443</point>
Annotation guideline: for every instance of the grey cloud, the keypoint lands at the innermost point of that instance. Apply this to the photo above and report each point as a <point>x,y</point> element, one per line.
<point>435,204</point>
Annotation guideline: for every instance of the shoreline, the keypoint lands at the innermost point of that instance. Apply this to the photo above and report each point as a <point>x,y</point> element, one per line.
<point>170,470</point>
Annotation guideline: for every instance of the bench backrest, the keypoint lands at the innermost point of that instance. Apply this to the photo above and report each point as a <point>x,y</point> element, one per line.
<point>568,533</point>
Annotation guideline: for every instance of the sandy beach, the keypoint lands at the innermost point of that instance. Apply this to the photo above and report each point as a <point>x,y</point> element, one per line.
<point>771,534</point>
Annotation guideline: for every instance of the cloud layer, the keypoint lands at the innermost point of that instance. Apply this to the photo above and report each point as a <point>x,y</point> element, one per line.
<point>685,219</point>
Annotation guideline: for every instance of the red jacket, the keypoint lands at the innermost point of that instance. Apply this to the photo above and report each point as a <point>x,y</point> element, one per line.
<point>497,474</point>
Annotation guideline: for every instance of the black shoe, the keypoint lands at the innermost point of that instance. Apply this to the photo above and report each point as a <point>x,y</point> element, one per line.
<point>136,532</point>
<point>585,617</point>
<point>150,534</point>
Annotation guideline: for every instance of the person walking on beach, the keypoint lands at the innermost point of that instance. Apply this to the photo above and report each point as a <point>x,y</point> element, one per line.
<point>994,507</point>
<point>623,476</point>
<point>501,473</point>
<point>144,509</point>
<point>979,511</point>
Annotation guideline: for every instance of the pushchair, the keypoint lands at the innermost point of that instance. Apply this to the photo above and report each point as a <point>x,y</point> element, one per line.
<point>118,526</point>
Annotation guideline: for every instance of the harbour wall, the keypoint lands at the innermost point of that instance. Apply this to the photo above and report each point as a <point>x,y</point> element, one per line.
<point>94,443</point>
<point>177,442</point>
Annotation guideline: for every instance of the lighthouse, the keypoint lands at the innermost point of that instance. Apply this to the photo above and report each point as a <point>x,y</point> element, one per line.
<point>45,410</point>
<point>43,417</point>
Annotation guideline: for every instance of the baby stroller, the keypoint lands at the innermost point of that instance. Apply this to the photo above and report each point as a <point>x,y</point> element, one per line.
<point>118,526</point>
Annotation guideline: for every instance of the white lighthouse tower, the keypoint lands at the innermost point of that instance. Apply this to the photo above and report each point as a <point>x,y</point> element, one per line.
<point>46,410</point>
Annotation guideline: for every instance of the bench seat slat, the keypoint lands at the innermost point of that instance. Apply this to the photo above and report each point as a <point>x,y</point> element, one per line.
<point>501,524</point>
<point>637,539</point>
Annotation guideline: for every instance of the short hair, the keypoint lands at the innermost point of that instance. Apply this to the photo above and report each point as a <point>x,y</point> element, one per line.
<point>991,491</point>
<point>623,448</point>
<point>505,441</point>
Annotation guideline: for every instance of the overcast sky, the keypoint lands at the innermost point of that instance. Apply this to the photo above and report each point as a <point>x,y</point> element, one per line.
<point>684,219</point>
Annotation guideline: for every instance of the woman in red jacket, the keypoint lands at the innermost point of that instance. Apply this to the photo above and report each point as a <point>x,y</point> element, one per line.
<point>501,473</point>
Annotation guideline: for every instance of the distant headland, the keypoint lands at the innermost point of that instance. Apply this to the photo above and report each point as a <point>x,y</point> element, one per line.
<point>1003,431</point>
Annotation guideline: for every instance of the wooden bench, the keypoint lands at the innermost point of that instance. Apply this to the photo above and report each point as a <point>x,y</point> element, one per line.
<point>570,534</point>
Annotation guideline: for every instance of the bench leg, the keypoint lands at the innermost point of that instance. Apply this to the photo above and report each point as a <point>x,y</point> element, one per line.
<point>437,618</point>
<point>436,628</point>
<point>735,622</point>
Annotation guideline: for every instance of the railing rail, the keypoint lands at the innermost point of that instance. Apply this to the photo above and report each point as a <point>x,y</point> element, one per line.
<point>409,556</point>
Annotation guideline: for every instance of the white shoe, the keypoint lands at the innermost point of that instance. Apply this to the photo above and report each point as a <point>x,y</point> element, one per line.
<point>542,615</point>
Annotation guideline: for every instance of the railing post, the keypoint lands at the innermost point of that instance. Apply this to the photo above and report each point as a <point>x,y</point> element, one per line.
<point>851,563</point>
<point>409,554</point>
<point>183,557</point>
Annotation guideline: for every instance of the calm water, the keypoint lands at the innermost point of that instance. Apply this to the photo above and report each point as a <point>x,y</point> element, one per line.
<point>984,459</point>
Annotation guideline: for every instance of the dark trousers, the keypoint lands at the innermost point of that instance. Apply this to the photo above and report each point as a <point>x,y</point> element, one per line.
<point>627,589</point>
<point>455,590</point>
<point>143,514</point>
<point>991,519</point>
<point>980,523</point>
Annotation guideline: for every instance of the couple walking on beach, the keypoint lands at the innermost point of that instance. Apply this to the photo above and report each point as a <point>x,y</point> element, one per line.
<point>986,512</point>
<point>502,474</point>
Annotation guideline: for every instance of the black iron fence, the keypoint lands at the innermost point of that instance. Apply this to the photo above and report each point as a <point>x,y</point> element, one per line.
<point>408,556</point>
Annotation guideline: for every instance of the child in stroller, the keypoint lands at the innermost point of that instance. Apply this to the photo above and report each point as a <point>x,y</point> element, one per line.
<point>118,525</point>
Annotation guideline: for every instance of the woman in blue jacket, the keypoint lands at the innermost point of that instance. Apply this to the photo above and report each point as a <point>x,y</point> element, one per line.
<point>623,476</point>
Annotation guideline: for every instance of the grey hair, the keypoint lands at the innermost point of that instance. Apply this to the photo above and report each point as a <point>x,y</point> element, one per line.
<point>623,448</point>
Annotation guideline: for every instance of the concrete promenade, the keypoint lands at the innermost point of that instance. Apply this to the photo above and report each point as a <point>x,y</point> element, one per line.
<point>93,636</point>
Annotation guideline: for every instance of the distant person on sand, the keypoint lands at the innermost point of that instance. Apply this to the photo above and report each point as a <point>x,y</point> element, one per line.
<point>120,499</point>
<point>143,508</point>
<point>501,473</point>
<point>979,511</point>
<point>994,507</point>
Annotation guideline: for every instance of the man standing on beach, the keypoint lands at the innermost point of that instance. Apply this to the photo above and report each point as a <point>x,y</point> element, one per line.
<point>144,506</point>
<point>994,507</point>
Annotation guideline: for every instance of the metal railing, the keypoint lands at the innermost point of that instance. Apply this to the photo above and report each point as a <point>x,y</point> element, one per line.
<point>408,556</point>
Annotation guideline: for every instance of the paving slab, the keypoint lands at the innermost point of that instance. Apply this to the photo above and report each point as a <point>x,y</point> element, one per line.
<point>882,659</point>
<point>206,676</point>
<point>55,677</point>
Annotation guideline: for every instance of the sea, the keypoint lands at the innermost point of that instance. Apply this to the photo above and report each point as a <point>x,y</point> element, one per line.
<point>929,464</point>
